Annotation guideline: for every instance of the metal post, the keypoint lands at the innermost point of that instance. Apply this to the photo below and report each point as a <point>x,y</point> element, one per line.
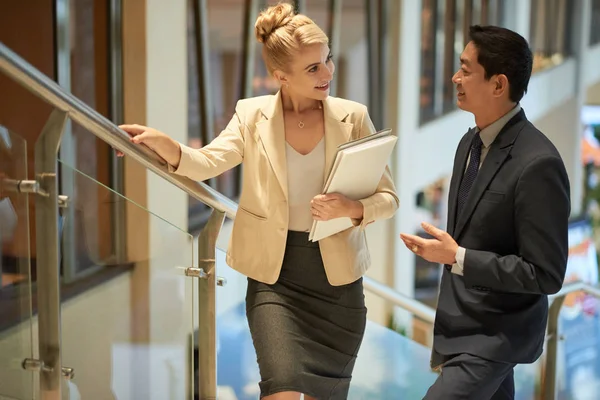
<point>118,218</point>
<point>202,64</point>
<point>467,20</point>
<point>371,60</point>
<point>68,150</point>
<point>548,381</point>
<point>300,6</point>
<point>449,56</point>
<point>207,312</point>
<point>247,71</point>
<point>440,78</point>
<point>48,268</point>
<point>333,31</point>
<point>248,49</point>
<point>382,13</point>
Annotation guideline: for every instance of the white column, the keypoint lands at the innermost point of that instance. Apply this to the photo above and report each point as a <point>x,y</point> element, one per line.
<point>166,110</point>
<point>405,36</point>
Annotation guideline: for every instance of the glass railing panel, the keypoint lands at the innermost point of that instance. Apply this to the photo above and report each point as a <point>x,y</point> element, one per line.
<point>389,366</point>
<point>127,321</point>
<point>527,381</point>
<point>578,364</point>
<point>16,323</point>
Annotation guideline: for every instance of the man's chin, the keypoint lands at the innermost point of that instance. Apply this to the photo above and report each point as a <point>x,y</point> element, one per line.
<point>461,104</point>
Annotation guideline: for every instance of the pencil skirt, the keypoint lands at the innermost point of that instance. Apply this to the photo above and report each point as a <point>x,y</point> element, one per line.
<point>306,332</point>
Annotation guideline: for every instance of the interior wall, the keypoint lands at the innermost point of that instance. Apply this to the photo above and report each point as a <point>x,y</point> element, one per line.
<point>562,125</point>
<point>593,94</point>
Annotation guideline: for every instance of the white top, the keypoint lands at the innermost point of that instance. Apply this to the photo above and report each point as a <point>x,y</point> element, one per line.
<point>305,181</point>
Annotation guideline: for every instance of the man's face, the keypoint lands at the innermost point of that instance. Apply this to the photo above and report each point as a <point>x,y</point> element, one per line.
<point>474,92</point>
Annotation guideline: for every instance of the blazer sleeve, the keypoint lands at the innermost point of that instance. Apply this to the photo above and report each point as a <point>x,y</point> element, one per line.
<point>542,208</point>
<point>221,154</point>
<point>384,202</point>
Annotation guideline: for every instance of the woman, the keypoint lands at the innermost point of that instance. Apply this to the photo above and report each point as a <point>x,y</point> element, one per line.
<point>304,302</point>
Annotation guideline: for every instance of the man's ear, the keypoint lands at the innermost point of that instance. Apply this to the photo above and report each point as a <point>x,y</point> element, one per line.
<point>501,85</point>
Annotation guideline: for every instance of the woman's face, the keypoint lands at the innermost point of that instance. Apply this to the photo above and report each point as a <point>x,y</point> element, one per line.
<point>310,72</point>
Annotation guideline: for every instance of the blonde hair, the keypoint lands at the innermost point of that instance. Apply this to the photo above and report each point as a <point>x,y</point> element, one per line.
<point>283,33</point>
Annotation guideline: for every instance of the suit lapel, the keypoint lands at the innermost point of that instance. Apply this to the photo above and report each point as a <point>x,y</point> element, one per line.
<point>497,155</point>
<point>337,131</point>
<point>272,134</point>
<point>460,162</point>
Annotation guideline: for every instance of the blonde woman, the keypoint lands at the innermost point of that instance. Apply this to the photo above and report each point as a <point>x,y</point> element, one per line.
<point>304,302</point>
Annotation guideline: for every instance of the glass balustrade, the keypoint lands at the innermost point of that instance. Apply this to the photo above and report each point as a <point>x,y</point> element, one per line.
<point>130,336</point>
<point>16,322</point>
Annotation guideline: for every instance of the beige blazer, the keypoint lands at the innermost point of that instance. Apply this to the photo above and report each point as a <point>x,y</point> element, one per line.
<point>255,136</point>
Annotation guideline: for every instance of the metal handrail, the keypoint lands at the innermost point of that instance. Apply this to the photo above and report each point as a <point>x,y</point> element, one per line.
<point>575,287</point>
<point>417,308</point>
<point>45,88</point>
<point>549,371</point>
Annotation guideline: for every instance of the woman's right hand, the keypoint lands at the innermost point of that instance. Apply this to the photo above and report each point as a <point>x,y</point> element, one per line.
<point>159,142</point>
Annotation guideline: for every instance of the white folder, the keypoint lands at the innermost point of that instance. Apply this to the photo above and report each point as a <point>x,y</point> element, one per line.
<point>356,171</point>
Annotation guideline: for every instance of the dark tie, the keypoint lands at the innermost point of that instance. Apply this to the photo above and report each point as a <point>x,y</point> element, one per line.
<point>470,174</point>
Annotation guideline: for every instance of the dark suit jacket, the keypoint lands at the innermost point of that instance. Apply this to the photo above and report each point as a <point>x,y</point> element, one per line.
<point>514,229</point>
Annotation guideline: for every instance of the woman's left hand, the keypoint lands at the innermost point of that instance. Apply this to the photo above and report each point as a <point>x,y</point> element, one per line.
<point>334,205</point>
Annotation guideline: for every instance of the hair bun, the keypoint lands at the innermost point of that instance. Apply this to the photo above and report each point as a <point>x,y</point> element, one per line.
<point>272,19</point>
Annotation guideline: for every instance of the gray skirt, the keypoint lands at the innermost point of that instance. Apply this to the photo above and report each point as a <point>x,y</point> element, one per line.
<point>306,333</point>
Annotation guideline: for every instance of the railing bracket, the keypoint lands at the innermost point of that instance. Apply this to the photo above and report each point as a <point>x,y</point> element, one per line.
<point>32,187</point>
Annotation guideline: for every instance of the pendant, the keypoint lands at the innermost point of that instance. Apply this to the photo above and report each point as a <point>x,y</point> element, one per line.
<point>300,124</point>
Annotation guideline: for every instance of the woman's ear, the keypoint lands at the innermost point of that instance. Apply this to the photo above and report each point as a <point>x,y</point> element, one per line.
<point>281,78</point>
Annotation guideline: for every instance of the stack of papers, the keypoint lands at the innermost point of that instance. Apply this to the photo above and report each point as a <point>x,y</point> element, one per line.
<point>356,171</point>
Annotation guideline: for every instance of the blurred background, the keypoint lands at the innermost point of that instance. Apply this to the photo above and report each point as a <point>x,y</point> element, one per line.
<point>129,318</point>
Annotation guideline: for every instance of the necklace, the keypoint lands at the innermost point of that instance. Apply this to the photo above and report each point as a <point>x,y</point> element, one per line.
<point>301,123</point>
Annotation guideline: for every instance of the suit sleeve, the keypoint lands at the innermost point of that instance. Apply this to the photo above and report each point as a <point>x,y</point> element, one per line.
<point>223,153</point>
<point>384,202</point>
<point>542,208</point>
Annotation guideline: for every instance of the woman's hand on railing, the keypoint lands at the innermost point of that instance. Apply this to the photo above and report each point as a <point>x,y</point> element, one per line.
<point>167,148</point>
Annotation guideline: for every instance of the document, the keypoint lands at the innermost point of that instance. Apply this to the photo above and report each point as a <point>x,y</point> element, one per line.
<point>356,171</point>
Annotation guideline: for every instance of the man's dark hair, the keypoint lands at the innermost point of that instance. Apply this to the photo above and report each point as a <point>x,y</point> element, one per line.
<point>502,51</point>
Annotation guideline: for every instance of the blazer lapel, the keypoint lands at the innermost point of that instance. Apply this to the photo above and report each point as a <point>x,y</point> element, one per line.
<point>337,131</point>
<point>497,155</point>
<point>460,162</point>
<point>272,134</point>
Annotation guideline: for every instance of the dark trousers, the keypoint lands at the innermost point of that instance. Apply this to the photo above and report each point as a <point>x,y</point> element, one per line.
<point>467,377</point>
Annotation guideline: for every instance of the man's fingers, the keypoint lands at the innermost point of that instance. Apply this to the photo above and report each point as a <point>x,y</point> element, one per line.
<point>413,247</point>
<point>413,239</point>
<point>432,230</point>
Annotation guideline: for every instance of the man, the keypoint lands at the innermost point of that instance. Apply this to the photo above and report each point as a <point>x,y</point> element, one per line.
<point>506,245</point>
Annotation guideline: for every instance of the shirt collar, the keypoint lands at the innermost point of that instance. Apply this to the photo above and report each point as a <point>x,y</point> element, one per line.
<point>489,133</point>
